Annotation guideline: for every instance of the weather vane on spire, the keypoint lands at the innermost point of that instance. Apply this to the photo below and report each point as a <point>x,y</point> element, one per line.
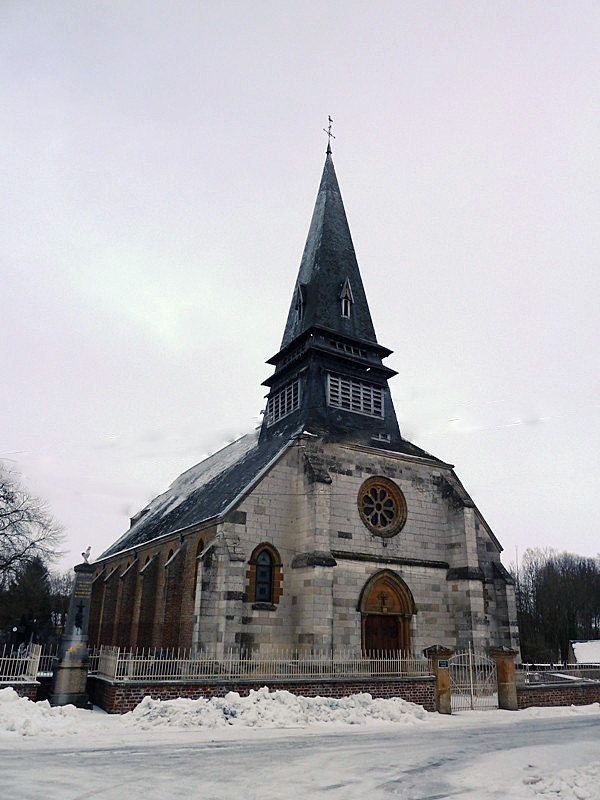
<point>330,135</point>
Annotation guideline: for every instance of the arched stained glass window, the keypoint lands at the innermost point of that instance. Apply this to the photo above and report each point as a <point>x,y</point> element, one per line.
<point>264,577</point>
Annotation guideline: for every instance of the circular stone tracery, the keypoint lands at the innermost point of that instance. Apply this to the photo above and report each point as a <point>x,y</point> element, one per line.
<point>382,506</point>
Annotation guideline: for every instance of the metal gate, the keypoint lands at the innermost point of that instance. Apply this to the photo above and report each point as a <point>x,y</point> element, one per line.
<point>472,680</point>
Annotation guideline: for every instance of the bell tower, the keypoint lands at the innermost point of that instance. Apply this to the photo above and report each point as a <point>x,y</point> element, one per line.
<point>329,378</point>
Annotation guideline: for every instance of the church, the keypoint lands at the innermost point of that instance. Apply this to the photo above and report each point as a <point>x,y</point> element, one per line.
<point>325,529</point>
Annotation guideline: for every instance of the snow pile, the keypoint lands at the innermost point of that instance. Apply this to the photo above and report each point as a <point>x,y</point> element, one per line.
<point>20,715</point>
<point>568,784</point>
<point>278,709</point>
<point>551,711</point>
<point>261,709</point>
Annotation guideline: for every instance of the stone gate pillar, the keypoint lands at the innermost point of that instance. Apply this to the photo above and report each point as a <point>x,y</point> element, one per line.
<point>505,677</point>
<point>438,655</point>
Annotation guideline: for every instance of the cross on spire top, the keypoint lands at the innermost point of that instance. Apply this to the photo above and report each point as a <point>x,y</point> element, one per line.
<point>330,135</point>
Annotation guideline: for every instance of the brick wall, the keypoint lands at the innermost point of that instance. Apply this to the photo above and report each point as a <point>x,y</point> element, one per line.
<point>173,597</point>
<point>109,613</point>
<point>118,698</point>
<point>29,690</point>
<point>573,694</point>
<point>149,591</point>
<point>96,608</point>
<point>125,612</point>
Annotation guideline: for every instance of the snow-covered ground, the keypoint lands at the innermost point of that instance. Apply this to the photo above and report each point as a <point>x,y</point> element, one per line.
<point>275,745</point>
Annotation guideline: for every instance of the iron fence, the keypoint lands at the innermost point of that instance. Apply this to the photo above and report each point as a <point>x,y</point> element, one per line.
<point>47,658</point>
<point>551,673</point>
<point>17,662</point>
<point>94,657</point>
<point>20,666</point>
<point>179,666</point>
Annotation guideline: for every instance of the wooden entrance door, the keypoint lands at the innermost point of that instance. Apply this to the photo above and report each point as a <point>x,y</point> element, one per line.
<point>387,607</point>
<point>381,633</point>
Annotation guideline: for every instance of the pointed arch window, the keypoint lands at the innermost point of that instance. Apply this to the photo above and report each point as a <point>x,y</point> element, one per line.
<point>264,576</point>
<point>346,299</point>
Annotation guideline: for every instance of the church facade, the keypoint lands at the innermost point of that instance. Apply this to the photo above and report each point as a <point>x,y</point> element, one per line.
<point>324,530</point>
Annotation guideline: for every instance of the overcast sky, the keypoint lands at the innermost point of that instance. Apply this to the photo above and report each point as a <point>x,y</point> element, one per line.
<point>159,165</point>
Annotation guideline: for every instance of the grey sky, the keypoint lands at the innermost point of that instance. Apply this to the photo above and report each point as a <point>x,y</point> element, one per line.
<point>160,163</point>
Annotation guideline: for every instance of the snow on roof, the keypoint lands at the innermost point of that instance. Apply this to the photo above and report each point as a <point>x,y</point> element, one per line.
<point>587,652</point>
<point>202,492</point>
<point>200,474</point>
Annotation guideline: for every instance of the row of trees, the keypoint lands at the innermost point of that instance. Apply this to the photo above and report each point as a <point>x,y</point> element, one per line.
<point>34,605</point>
<point>33,600</point>
<point>558,600</point>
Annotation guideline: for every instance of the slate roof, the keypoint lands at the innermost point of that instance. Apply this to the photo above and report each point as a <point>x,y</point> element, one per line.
<point>203,492</point>
<point>207,490</point>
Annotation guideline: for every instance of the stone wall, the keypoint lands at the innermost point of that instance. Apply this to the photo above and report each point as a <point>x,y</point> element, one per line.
<point>445,553</point>
<point>118,698</point>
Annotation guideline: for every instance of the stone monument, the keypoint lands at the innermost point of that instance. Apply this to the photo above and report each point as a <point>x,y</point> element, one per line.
<point>70,672</point>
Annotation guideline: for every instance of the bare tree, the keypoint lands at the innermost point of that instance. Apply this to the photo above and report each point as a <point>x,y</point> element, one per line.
<point>27,529</point>
<point>61,585</point>
<point>558,600</point>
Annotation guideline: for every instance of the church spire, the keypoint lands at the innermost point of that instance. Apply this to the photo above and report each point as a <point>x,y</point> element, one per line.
<point>329,374</point>
<point>328,265</point>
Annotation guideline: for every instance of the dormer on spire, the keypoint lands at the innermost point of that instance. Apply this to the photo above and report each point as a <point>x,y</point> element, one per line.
<point>346,299</point>
<point>300,302</point>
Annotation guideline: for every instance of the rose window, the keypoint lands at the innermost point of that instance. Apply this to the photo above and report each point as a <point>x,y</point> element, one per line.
<point>382,506</point>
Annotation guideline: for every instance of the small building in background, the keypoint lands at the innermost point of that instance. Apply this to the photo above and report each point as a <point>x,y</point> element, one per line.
<point>584,652</point>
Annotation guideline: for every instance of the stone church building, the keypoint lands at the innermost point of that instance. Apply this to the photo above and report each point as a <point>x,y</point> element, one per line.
<point>325,529</point>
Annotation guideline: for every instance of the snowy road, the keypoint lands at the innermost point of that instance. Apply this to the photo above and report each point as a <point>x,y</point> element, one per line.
<point>472,756</point>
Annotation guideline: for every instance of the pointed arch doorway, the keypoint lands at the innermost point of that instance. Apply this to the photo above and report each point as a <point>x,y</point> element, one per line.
<point>386,607</point>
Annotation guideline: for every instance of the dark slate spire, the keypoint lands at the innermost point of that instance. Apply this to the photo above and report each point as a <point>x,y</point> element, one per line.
<point>328,265</point>
<point>329,374</point>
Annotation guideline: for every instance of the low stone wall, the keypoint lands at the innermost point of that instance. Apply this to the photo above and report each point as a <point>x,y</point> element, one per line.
<point>120,697</point>
<point>573,693</point>
<point>29,690</point>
